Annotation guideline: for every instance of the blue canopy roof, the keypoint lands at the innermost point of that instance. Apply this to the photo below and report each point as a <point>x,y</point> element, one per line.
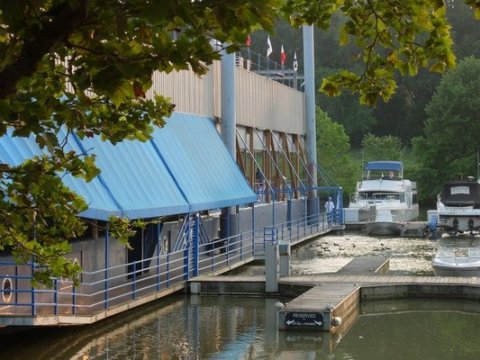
<point>184,168</point>
<point>15,150</point>
<point>384,165</point>
<point>200,163</point>
<point>136,178</point>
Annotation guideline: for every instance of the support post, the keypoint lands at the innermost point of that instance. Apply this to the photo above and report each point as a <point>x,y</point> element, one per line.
<point>271,268</point>
<point>228,126</point>
<point>284,253</point>
<point>309,73</point>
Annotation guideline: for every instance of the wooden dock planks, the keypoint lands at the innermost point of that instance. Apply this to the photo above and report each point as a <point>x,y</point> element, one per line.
<point>330,302</point>
<point>367,265</point>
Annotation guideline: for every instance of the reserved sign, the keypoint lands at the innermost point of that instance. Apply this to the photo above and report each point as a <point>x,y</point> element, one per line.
<point>303,319</point>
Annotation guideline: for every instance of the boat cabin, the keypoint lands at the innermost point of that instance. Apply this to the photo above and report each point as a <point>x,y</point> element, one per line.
<point>461,193</point>
<point>386,170</point>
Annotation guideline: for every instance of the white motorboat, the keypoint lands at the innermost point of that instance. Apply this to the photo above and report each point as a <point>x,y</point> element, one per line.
<point>383,224</point>
<point>383,199</point>
<point>452,262</point>
<point>458,207</point>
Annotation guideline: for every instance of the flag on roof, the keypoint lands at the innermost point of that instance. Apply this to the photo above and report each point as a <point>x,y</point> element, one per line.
<point>295,62</point>
<point>269,46</point>
<point>248,41</point>
<point>283,56</point>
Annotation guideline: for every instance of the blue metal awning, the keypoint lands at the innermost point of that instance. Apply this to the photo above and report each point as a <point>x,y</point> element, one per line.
<point>15,150</point>
<point>201,165</point>
<point>136,177</point>
<point>184,168</point>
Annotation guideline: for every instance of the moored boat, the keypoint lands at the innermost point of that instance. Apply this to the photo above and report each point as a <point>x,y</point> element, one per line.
<point>451,262</point>
<point>383,199</point>
<point>458,207</point>
<point>383,224</point>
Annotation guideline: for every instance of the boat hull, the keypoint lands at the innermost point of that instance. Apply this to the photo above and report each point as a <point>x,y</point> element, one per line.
<point>457,261</point>
<point>456,267</point>
<point>459,221</point>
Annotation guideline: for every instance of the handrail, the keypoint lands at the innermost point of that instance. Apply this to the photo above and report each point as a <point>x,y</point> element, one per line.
<point>97,293</point>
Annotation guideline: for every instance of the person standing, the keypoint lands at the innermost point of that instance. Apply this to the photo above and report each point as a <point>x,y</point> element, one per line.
<point>260,185</point>
<point>329,208</point>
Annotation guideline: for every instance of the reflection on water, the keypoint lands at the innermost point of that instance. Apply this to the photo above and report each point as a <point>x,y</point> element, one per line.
<point>222,327</point>
<point>245,328</point>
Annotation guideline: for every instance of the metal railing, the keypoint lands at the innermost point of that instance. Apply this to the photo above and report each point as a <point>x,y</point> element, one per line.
<point>265,66</point>
<point>118,285</point>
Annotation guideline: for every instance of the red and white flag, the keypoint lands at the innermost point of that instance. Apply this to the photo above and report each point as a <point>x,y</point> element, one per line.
<point>248,41</point>
<point>283,56</point>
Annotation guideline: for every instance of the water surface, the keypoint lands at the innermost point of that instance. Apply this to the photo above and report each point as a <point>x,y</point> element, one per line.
<point>224,327</point>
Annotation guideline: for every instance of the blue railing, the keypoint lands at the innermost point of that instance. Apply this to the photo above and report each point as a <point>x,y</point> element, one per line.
<point>117,285</point>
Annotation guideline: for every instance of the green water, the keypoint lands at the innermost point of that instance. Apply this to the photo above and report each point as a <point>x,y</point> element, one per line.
<point>184,327</point>
<point>221,327</point>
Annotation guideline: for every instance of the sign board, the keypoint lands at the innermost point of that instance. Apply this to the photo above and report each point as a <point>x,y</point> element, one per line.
<point>312,319</point>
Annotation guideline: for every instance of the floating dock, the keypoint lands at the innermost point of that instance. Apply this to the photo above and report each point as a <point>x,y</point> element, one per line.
<point>325,306</point>
<point>331,302</point>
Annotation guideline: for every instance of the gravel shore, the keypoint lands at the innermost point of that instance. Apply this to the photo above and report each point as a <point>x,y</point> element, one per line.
<point>329,253</point>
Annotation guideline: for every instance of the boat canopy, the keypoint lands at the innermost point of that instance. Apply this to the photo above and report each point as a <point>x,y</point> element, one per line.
<point>390,170</point>
<point>461,193</point>
<point>384,165</point>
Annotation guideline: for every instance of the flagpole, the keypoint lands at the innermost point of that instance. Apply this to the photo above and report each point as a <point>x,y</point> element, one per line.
<point>249,54</point>
<point>295,69</point>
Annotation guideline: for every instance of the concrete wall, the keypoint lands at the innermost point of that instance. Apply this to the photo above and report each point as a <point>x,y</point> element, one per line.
<point>271,214</point>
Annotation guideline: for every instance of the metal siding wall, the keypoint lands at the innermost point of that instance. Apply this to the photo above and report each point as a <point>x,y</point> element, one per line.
<point>188,92</point>
<point>266,104</point>
<point>261,102</point>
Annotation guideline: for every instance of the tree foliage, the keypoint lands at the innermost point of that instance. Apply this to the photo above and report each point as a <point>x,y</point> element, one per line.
<point>333,150</point>
<point>392,36</point>
<point>448,149</point>
<point>403,115</point>
<point>381,148</point>
<point>85,65</point>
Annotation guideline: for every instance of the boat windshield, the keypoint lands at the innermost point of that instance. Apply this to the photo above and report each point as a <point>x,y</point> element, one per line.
<point>387,170</point>
<point>455,190</point>
<point>381,174</point>
<point>445,252</point>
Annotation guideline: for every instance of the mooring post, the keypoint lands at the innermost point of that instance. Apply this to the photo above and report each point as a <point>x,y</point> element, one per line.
<point>271,268</point>
<point>284,252</point>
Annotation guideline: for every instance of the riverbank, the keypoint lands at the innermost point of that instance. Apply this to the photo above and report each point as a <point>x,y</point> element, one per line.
<point>329,253</point>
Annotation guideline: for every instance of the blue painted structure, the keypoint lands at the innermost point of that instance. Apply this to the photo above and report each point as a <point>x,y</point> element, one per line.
<point>184,168</point>
<point>185,171</point>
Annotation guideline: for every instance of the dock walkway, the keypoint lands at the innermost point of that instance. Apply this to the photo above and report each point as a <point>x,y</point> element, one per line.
<point>331,301</point>
<point>366,265</point>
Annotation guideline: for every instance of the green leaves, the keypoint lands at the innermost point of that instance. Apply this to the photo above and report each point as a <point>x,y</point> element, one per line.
<point>381,148</point>
<point>451,130</point>
<point>333,151</point>
<point>84,67</point>
<point>392,36</point>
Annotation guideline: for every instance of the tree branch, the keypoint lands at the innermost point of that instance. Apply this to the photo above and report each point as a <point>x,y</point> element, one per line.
<point>58,24</point>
